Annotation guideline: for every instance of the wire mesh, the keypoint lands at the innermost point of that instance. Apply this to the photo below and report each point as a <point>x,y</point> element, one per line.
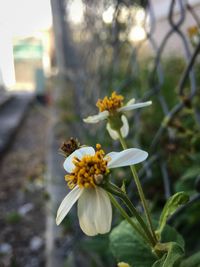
<point>103,50</point>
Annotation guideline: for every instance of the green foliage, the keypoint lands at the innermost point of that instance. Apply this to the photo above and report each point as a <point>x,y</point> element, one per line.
<point>192,261</point>
<point>127,246</point>
<point>174,253</point>
<point>169,234</point>
<point>170,207</point>
<point>188,222</point>
<point>187,180</point>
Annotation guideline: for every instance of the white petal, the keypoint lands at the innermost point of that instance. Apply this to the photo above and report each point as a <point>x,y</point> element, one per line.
<point>79,153</point>
<point>67,203</point>
<point>126,157</point>
<point>86,212</point>
<point>135,106</point>
<point>114,135</point>
<point>103,212</point>
<point>94,211</point>
<point>125,128</point>
<point>97,118</point>
<point>130,102</point>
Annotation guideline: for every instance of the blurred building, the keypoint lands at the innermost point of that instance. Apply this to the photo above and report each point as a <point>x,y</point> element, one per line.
<point>32,54</point>
<point>25,42</point>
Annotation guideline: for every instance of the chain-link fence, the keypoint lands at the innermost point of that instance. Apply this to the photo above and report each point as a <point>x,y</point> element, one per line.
<point>101,55</point>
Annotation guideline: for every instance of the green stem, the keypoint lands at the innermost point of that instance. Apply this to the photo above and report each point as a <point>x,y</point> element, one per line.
<point>113,189</point>
<point>140,190</point>
<point>125,215</point>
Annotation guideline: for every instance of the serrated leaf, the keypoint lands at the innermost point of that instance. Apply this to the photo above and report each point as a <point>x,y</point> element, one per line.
<point>170,207</point>
<point>174,254</point>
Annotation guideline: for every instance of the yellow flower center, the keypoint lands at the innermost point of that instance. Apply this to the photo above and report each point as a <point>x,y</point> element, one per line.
<point>88,170</point>
<point>111,104</point>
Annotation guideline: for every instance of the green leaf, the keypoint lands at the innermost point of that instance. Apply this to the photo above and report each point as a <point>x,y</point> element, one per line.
<point>192,261</point>
<point>187,181</point>
<point>170,234</point>
<point>191,173</point>
<point>170,207</point>
<point>174,254</point>
<point>127,246</point>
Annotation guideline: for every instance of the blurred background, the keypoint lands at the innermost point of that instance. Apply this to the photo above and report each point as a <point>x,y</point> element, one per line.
<point>56,59</point>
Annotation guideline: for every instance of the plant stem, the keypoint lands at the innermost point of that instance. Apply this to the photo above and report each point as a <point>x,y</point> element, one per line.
<point>113,189</point>
<point>125,215</point>
<point>140,190</point>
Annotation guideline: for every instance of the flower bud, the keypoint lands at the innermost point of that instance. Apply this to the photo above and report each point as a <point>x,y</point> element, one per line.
<point>68,147</point>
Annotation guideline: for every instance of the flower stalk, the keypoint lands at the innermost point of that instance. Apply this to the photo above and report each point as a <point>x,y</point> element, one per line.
<point>125,215</point>
<point>113,189</point>
<point>140,190</point>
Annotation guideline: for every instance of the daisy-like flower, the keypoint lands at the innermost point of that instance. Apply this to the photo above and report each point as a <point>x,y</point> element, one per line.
<point>113,109</point>
<point>87,169</point>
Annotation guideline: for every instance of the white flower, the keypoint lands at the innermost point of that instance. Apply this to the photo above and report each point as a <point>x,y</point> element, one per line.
<point>118,108</point>
<point>124,129</point>
<point>94,207</point>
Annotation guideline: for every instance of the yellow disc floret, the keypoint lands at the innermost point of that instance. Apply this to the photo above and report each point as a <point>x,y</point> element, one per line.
<point>88,169</point>
<point>111,104</point>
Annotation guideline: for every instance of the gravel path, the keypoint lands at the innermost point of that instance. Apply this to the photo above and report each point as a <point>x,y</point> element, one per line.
<point>22,195</point>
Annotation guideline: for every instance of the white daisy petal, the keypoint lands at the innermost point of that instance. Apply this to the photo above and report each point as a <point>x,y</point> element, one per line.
<point>86,212</point>
<point>130,102</point>
<point>135,106</point>
<point>97,118</point>
<point>94,212</point>
<point>67,203</point>
<point>114,135</point>
<point>79,153</point>
<point>126,157</point>
<point>125,128</point>
<point>103,212</point>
